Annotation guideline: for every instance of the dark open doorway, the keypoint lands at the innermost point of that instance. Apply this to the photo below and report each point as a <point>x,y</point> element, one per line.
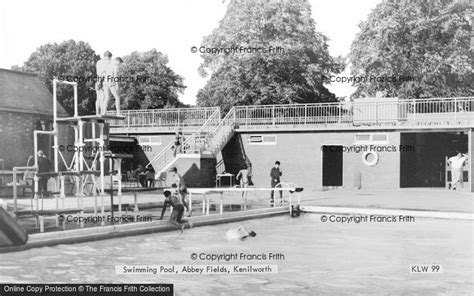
<point>422,157</point>
<point>332,165</point>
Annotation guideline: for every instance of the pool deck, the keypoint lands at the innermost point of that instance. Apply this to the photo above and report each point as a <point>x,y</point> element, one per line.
<point>436,200</point>
<point>422,199</point>
<point>427,203</point>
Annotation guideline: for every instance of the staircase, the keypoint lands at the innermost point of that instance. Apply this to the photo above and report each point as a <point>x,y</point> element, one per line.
<point>221,134</point>
<point>208,140</point>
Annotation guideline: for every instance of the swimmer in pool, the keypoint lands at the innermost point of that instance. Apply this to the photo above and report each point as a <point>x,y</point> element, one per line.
<point>177,213</point>
<point>239,233</point>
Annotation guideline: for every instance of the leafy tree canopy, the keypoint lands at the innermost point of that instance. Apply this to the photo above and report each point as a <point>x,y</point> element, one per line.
<point>150,83</point>
<point>426,40</point>
<point>145,79</point>
<point>69,60</point>
<point>293,72</point>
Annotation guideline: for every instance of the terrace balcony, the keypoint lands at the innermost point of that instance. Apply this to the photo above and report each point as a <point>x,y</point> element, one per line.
<point>149,121</point>
<point>382,113</point>
<point>360,114</point>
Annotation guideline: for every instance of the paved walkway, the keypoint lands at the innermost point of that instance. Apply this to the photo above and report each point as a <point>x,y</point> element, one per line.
<point>432,203</point>
<point>403,199</point>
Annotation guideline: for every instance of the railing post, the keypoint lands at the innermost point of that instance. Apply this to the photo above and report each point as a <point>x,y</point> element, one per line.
<point>246,115</point>
<point>305,113</point>
<point>340,112</point>
<point>414,110</point>
<point>153,118</point>
<point>377,112</point>
<point>455,108</point>
<point>273,114</point>
<point>235,116</point>
<point>178,119</point>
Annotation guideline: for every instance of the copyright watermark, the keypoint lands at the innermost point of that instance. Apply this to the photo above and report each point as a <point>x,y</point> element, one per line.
<point>356,219</point>
<point>371,79</point>
<point>239,50</point>
<point>234,256</point>
<point>368,148</point>
<point>97,148</point>
<point>104,79</point>
<point>100,219</point>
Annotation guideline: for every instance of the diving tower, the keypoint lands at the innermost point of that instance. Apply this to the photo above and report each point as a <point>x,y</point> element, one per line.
<point>81,168</point>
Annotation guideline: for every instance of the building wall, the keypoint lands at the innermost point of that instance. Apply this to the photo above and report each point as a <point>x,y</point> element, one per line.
<point>16,137</point>
<point>300,155</point>
<point>196,171</point>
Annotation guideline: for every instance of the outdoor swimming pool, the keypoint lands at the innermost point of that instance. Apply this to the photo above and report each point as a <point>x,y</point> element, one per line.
<point>320,258</point>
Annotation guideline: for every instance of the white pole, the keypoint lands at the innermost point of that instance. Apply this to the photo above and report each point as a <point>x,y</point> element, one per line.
<point>119,190</point>
<point>62,194</point>
<point>76,113</point>
<point>35,179</point>
<point>55,137</point>
<point>221,208</point>
<point>80,146</point>
<point>14,191</point>
<point>102,168</point>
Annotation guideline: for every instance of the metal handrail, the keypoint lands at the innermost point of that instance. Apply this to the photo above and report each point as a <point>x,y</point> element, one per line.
<point>228,120</point>
<point>376,111</point>
<point>176,117</point>
<point>189,141</point>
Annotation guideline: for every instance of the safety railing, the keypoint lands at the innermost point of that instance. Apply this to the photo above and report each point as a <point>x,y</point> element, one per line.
<point>217,137</point>
<point>387,111</point>
<point>191,144</point>
<point>166,118</point>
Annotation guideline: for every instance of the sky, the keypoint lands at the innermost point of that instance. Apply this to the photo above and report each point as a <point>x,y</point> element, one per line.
<point>171,27</point>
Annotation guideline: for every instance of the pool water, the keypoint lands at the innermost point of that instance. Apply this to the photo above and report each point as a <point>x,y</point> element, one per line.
<point>320,258</point>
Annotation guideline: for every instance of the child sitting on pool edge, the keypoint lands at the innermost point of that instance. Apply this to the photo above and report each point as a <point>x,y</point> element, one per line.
<point>177,212</point>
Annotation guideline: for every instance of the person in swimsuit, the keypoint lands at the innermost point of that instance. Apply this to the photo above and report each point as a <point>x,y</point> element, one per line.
<point>243,176</point>
<point>110,84</point>
<point>239,233</point>
<point>101,67</point>
<point>177,212</point>
<point>182,189</point>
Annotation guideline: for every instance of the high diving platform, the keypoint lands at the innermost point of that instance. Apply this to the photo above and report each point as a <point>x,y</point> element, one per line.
<point>95,118</point>
<point>77,167</point>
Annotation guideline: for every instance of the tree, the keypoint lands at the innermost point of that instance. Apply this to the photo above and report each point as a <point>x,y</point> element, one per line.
<point>266,53</point>
<point>69,60</point>
<point>428,41</point>
<point>148,82</point>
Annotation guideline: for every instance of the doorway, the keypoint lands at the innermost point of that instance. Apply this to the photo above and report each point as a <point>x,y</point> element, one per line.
<point>332,165</point>
<point>422,157</point>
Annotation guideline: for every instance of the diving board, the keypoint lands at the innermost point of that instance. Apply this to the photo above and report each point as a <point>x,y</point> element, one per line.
<point>97,118</point>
